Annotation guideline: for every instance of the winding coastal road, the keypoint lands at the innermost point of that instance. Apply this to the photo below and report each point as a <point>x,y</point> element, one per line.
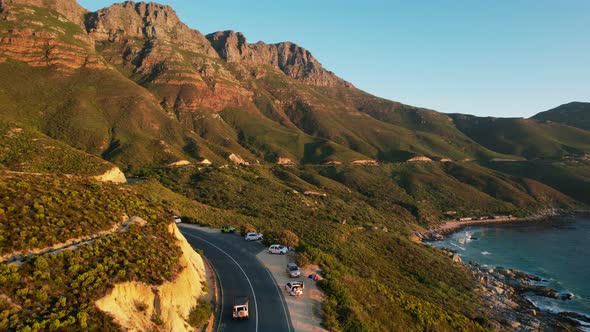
<point>241,273</point>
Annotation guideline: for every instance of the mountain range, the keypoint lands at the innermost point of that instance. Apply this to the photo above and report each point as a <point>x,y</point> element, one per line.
<point>168,92</point>
<point>130,86</point>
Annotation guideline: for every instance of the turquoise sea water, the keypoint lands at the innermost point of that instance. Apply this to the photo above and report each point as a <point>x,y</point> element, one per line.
<point>557,251</point>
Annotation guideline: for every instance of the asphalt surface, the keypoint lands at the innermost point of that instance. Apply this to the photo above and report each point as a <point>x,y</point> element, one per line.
<point>241,273</point>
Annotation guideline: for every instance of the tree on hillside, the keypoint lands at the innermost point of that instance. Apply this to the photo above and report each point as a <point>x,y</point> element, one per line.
<point>288,238</point>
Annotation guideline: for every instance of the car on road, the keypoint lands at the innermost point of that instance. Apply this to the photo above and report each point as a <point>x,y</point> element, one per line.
<point>295,288</point>
<point>293,270</point>
<point>177,219</point>
<point>227,229</point>
<point>253,237</point>
<point>241,307</point>
<point>277,249</point>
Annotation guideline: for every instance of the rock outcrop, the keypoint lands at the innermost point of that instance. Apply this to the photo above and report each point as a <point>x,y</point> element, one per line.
<point>113,175</point>
<point>419,159</point>
<point>369,162</point>
<point>134,305</point>
<point>41,37</point>
<point>286,161</point>
<point>151,42</point>
<point>149,21</point>
<point>237,160</point>
<point>291,59</point>
<point>68,8</point>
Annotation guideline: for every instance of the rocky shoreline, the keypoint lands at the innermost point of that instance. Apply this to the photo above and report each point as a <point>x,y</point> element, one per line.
<point>438,233</point>
<point>504,292</point>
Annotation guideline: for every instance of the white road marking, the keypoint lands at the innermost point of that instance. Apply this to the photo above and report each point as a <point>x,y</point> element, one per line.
<point>244,272</point>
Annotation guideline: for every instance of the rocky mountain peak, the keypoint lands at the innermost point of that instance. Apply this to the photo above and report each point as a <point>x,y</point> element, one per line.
<point>293,60</point>
<point>68,8</point>
<point>151,21</point>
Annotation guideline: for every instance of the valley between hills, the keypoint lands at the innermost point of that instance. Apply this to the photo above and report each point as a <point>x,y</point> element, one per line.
<point>258,136</point>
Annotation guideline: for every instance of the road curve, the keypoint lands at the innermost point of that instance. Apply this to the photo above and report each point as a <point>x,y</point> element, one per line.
<point>241,273</point>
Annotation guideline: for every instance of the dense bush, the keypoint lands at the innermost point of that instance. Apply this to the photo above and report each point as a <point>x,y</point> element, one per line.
<point>41,211</point>
<point>199,314</point>
<point>57,291</point>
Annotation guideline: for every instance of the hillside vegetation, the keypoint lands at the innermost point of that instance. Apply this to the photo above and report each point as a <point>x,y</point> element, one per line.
<point>356,223</point>
<point>132,86</point>
<point>56,291</point>
<point>26,150</point>
<point>531,139</point>
<point>575,114</point>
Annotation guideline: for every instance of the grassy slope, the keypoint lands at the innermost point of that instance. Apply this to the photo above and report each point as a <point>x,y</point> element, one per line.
<point>569,177</point>
<point>98,111</point>
<point>574,114</point>
<point>333,114</point>
<point>526,138</point>
<point>269,140</point>
<point>413,118</point>
<point>26,150</point>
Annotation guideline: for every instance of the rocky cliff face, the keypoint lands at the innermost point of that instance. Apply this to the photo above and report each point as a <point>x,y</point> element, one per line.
<point>68,8</point>
<point>151,44</point>
<point>150,21</point>
<point>134,305</point>
<point>31,33</point>
<point>291,59</point>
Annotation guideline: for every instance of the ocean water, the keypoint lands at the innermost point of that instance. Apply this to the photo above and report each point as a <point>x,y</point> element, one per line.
<point>557,250</point>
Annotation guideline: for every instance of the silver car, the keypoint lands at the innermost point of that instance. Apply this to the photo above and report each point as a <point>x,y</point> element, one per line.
<point>293,270</point>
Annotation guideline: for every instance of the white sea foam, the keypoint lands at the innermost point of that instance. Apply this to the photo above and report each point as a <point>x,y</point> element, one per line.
<point>486,253</point>
<point>458,246</point>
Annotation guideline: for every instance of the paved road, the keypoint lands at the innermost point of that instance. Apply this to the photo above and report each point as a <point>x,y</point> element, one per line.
<point>241,273</point>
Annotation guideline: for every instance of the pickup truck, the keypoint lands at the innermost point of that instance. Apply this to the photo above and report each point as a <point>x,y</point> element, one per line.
<point>241,307</point>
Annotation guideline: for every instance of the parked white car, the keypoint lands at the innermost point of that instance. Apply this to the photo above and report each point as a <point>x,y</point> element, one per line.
<point>253,237</point>
<point>295,288</point>
<point>277,249</point>
<point>177,219</point>
<point>293,270</point>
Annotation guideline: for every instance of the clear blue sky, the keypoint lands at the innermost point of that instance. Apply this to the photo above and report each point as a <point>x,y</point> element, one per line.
<point>498,58</point>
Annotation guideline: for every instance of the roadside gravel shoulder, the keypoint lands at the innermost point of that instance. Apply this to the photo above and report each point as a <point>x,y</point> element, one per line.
<point>305,311</point>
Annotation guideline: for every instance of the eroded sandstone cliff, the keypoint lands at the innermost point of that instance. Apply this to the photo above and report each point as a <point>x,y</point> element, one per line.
<point>137,306</point>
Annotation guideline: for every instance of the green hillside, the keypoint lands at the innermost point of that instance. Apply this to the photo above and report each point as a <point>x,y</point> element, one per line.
<point>575,114</point>
<point>138,89</point>
<point>522,137</point>
<point>57,291</point>
<point>571,177</point>
<point>26,150</point>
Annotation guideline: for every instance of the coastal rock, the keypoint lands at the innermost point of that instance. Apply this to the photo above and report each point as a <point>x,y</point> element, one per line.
<point>575,315</point>
<point>456,259</point>
<point>515,325</point>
